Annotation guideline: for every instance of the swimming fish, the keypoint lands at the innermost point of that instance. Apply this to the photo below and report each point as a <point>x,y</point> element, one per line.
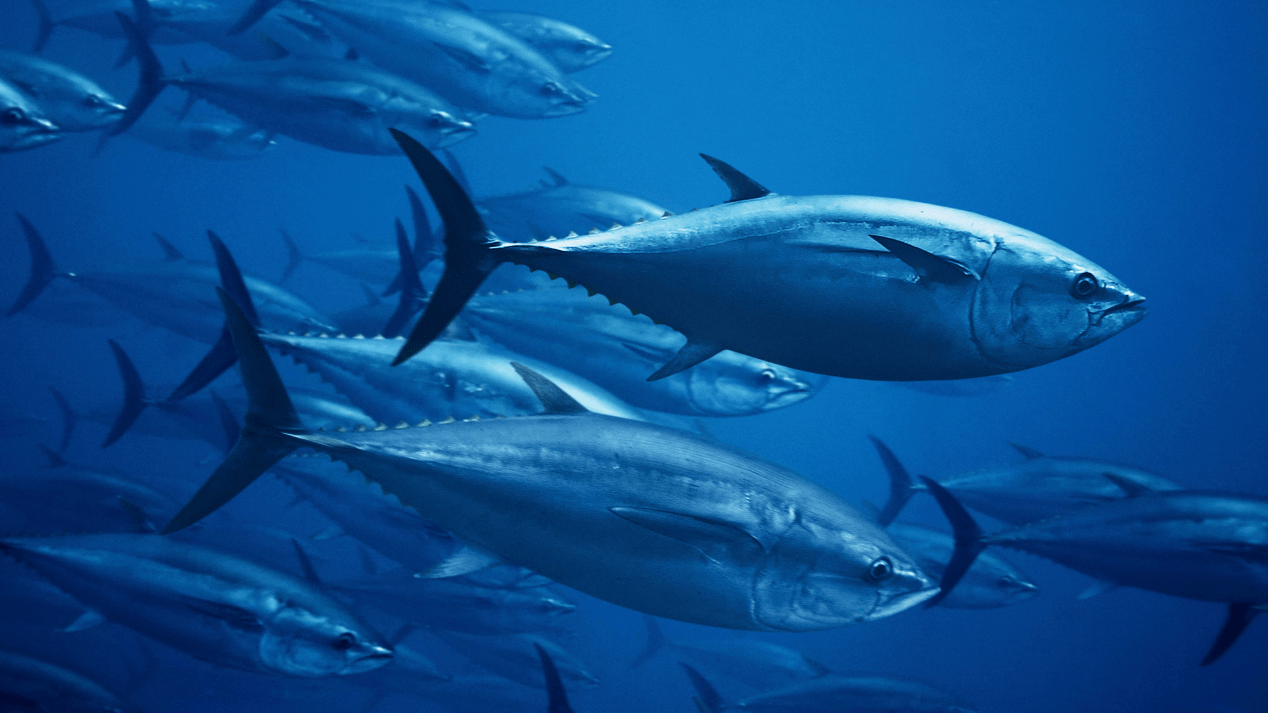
<point>860,287</point>
<point>651,518</point>
<point>22,123</point>
<point>67,98</point>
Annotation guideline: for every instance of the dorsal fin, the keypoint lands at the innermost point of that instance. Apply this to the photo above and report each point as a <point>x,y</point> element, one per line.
<point>305,564</point>
<point>556,178</point>
<point>1130,488</point>
<point>1026,451</point>
<point>554,399</point>
<point>742,187</point>
<point>170,252</point>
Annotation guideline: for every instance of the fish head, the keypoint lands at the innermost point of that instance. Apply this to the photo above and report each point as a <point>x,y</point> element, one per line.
<point>552,96</point>
<point>1038,302</point>
<point>308,643</point>
<point>1014,588</point>
<point>96,110</point>
<point>826,575</point>
<point>732,384</point>
<point>23,127</point>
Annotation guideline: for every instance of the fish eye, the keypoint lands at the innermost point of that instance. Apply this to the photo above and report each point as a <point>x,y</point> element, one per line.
<point>766,377</point>
<point>12,115</point>
<point>880,570</point>
<point>1084,285</point>
<point>344,641</point>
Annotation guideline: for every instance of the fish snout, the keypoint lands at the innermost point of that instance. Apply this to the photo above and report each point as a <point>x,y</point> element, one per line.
<point>902,591</point>
<point>371,657</point>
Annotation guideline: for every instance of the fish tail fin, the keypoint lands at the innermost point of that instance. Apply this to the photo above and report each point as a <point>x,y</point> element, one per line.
<point>42,268</point>
<point>901,484</point>
<point>294,256</point>
<point>52,458</point>
<point>222,354</point>
<point>654,643</point>
<point>413,296</point>
<point>467,242</point>
<point>708,697</point>
<point>70,418</point>
<point>1239,616</point>
<point>258,9</point>
<point>47,23</point>
<point>968,539</point>
<point>149,83</point>
<point>133,396</point>
<point>265,437</point>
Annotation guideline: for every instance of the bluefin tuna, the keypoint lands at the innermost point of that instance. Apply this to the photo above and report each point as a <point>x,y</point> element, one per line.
<point>835,694</point>
<point>560,206</point>
<point>172,293</point>
<point>338,104</point>
<point>860,287</point>
<point>98,18</point>
<point>755,662</point>
<point>474,64</point>
<point>67,98</point>
<point>568,47</point>
<point>213,606</point>
<point>1037,488</point>
<point>616,349</point>
<point>22,123</point>
<point>32,684</point>
<point>515,657</point>
<point>216,139</point>
<point>1206,545</point>
<point>453,606</point>
<point>658,520</point>
<point>991,581</point>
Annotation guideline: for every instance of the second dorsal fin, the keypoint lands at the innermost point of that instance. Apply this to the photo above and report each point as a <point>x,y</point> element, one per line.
<point>554,399</point>
<point>742,187</point>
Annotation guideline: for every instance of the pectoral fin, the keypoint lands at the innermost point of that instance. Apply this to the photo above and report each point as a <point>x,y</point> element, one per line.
<point>714,538</point>
<point>928,266</point>
<point>87,620</point>
<point>1130,488</point>
<point>692,353</point>
<point>235,617</point>
<point>1097,588</point>
<point>464,57</point>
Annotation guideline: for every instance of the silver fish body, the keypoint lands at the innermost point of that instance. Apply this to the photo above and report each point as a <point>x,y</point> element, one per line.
<point>1209,546</point>
<point>1043,487</point>
<point>568,47</point>
<point>205,138</point>
<point>67,98</point>
<point>561,207</point>
<point>474,64</point>
<point>616,350</point>
<point>515,658</point>
<point>454,606</point>
<point>861,694</point>
<point>333,103</point>
<point>799,281</point>
<point>214,606</point>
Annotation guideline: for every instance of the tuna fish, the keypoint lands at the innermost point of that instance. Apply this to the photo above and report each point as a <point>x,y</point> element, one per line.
<point>172,293</point>
<point>22,123</point>
<point>616,349</point>
<point>991,581</point>
<point>338,104</point>
<point>647,517</point>
<point>31,684</point>
<point>474,64</point>
<point>560,206</point>
<point>568,47</point>
<point>67,98</point>
<point>1205,545</point>
<point>449,605</point>
<point>211,605</point>
<point>835,694</point>
<point>1037,488</point>
<point>757,663</point>
<point>515,657</point>
<point>860,287</point>
<point>99,19</point>
<point>216,139</point>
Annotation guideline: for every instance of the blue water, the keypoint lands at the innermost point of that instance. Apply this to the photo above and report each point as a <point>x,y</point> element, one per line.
<point>1134,133</point>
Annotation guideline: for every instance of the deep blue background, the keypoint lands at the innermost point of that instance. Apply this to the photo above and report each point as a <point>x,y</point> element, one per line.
<point>1132,132</point>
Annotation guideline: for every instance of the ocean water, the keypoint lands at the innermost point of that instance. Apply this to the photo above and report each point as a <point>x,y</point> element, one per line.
<point>1134,133</point>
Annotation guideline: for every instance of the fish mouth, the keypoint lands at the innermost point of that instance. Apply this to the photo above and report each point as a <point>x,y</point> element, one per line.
<point>35,137</point>
<point>1122,315</point>
<point>788,397</point>
<point>451,135</point>
<point>893,604</point>
<point>379,658</point>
